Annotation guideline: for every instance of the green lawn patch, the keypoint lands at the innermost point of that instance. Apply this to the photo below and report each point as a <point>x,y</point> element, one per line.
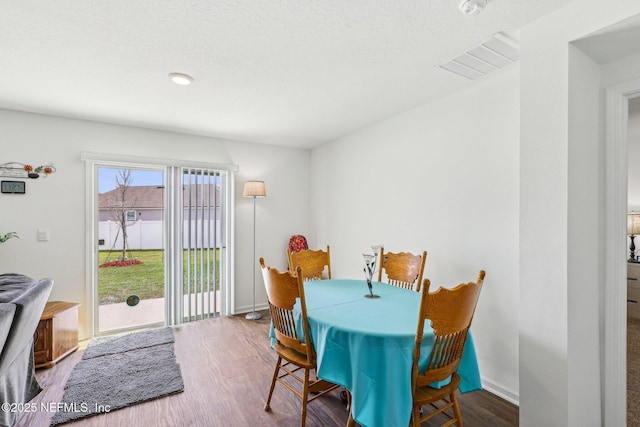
<point>146,280</point>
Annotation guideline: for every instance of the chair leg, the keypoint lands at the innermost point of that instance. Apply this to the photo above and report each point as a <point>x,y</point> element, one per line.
<point>267,406</point>
<point>415,417</point>
<point>305,398</point>
<point>456,409</point>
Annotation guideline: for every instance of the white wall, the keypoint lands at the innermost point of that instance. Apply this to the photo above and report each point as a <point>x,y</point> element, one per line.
<point>58,202</point>
<point>441,178</point>
<point>283,213</point>
<point>586,211</point>
<point>561,268</point>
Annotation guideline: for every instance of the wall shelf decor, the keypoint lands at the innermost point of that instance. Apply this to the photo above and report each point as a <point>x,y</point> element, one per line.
<point>21,170</point>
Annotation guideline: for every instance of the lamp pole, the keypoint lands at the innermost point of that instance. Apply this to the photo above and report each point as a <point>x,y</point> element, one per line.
<point>254,189</point>
<point>254,315</point>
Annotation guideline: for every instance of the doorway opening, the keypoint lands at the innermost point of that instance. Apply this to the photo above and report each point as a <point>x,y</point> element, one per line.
<point>615,334</point>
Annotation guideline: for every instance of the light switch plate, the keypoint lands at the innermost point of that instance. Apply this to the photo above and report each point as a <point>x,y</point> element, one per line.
<point>43,234</point>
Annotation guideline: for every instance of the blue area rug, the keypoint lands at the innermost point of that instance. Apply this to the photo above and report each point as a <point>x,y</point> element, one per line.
<point>122,371</point>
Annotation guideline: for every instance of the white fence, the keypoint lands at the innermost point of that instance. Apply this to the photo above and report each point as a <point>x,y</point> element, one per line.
<point>148,234</point>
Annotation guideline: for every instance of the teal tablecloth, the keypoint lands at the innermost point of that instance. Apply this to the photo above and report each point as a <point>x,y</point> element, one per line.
<point>366,345</point>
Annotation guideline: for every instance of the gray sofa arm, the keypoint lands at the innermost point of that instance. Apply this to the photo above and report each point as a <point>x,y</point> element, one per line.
<point>29,307</point>
<point>22,303</point>
<point>7,312</point>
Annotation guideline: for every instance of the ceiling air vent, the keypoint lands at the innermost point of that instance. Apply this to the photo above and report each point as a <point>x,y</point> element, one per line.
<point>491,55</point>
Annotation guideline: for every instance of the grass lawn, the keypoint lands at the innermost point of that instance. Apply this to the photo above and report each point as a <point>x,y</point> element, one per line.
<point>146,280</point>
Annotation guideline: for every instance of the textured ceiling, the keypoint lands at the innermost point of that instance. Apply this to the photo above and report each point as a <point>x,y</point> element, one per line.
<point>285,72</point>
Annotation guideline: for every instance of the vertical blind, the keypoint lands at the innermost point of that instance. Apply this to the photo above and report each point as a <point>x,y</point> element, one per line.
<point>203,225</point>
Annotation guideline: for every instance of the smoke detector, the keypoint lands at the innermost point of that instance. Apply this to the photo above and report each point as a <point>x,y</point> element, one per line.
<point>472,7</point>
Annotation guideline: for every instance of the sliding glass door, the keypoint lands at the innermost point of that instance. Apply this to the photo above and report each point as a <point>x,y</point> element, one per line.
<point>131,248</point>
<point>160,250</point>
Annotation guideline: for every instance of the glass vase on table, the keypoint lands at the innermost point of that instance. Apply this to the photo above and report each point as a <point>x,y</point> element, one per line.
<point>369,269</point>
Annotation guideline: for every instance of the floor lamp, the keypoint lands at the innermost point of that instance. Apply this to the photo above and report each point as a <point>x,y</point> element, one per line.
<point>254,189</point>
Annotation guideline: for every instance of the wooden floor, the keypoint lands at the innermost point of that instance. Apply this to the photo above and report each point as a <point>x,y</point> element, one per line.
<point>227,365</point>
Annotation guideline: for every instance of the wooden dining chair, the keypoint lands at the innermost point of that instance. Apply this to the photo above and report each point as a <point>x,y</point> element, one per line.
<point>450,312</point>
<point>402,269</point>
<point>294,352</point>
<point>313,263</point>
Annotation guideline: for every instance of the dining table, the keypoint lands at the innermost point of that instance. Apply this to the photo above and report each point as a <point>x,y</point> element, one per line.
<point>366,345</point>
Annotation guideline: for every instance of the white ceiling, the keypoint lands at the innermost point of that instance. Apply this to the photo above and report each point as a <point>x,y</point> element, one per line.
<point>286,72</point>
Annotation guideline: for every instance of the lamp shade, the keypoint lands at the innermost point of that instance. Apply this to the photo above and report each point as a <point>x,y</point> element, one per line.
<point>633,223</point>
<point>254,189</point>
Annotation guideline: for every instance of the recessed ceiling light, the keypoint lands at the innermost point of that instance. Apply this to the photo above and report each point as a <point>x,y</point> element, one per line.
<point>181,79</point>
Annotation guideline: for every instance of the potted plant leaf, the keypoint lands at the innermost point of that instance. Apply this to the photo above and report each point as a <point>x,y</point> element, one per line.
<point>8,236</point>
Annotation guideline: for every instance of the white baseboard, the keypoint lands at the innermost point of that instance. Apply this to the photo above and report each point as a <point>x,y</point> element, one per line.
<point>500,391</point>
<point>249,309</point>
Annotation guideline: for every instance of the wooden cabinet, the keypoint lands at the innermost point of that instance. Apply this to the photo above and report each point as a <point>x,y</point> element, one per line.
<point>57,333</point>
<point>633,289</point>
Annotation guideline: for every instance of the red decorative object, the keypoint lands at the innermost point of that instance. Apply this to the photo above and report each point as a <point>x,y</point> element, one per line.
<point>298,243</point>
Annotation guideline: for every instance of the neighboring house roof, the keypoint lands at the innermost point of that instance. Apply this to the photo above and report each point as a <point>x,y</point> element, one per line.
<point>150,196</point>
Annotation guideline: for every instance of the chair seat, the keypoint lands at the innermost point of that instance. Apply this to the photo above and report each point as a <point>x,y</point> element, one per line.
<point>320,385</point>
<point>426,394</point>
<point>295,357</point>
